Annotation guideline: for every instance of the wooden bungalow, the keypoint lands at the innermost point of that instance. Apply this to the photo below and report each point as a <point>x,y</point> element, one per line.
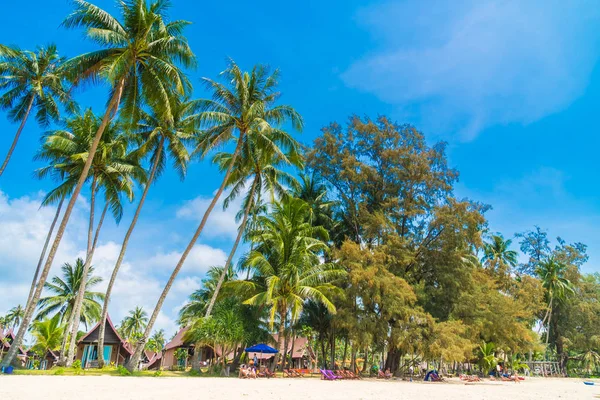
<point>170,361</point>
<point>300,350</point>
<point>115,349</point>
<point>9,335</point>
<point>151,360</point>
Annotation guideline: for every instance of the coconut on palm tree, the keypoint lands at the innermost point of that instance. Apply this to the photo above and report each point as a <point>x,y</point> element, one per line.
<point>242,108</point>
<point>287,265</point>
<point>162,136</point>
<point>139,60</point>
<point>32,81</point>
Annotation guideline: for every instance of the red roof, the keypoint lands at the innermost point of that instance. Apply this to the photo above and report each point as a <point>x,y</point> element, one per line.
<point>177,340</point>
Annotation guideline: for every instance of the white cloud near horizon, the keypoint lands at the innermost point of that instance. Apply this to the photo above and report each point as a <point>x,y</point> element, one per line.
<point>142,276</point>
<point>468,65</point>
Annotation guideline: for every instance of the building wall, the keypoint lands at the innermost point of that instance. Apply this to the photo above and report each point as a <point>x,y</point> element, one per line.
<point>113,354</point>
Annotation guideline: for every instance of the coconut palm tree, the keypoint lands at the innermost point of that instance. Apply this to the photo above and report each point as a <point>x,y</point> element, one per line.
<point>262,168</point>
<point>47,334</point>
<point>242,108</point>
<point>112,171</point>
<point>139,59</point>
<point>134,323</point>
<point>552,274</point>
<point>288,270</point>
<point>14,316</point>
<point>32,81</point>
<point>198,301</point>
<point>161,136</point>
<point>156,343</point>
<point>497,256</point>
<point>63,294</point>
<point>314,192</point>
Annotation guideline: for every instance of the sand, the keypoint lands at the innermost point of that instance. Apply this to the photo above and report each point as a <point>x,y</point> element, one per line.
<point>150,388</point>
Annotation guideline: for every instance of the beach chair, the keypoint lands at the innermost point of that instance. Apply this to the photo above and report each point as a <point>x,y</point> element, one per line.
<point>269,374</point>
<point>333,374</point>
<point>287,374</point>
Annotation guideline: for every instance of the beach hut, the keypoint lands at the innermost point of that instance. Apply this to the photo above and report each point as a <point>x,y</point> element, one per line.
<point>116,350</point>
<point>170,361</point>
<point>299,350</point>
<point>9,335</point>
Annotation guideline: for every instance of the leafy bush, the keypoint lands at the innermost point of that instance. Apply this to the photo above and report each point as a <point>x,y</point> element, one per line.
<point>77,364</point>
<point>123,371</point>
<point>59,371</point>
<point>158,373</point>
<point>194,372</point>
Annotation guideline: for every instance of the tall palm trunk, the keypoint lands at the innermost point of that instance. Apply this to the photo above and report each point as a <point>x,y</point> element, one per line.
<point>115,272</point>
<point>43,254</point>
<point>548,324</point>
<point>62,356</point>
<point>81,292</point>
<point>233,250</point>
<point>16,139</point>
<point>282,315</point>
<point>134,360</point>
<point>62,227</point>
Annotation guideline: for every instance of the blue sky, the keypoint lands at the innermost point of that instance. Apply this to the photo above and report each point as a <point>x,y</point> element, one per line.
<point>512,86</point>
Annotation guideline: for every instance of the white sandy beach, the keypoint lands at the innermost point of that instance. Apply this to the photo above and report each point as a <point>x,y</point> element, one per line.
<point>126,388</point>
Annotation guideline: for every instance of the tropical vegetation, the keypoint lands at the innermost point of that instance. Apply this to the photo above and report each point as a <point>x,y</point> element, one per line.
<point>356,240</point>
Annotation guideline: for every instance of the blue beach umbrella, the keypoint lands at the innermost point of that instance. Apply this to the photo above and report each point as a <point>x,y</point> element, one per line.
<point>261,348</point>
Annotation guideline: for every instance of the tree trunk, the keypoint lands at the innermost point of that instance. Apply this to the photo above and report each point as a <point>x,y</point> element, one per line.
<point>115,272</point>
<point>233,250</point>
<point>286,344</point>
<point>81,292</point>
<point>345,352</point>
<point>62,357</point>
<point>282,317</point>
<point>41,260</point>
<point>366,361</point>
<point>332,340</point>
<point>133,362</point>
<point>324,354</point>
<point>548,325</point>
<point>292,350</point>
<point>16,139</point>
<point>61,229</point>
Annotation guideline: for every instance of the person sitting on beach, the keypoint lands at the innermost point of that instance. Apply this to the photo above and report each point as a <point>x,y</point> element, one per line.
<point>388,374</point>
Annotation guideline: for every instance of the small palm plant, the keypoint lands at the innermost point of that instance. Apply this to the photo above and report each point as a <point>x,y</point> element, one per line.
<point>487,356</point>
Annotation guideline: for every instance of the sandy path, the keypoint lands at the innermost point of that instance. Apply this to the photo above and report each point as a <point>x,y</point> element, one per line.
<point>117,388</point>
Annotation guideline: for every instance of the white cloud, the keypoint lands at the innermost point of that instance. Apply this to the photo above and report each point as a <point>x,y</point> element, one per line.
<point>221,223</point>
<point>467,65</point>
<point>142,276</point>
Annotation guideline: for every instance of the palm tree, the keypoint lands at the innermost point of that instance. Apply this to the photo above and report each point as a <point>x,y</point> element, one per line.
<point>552,274</point>
<point>15,316</point>
<point>497,256</point>
<point>314,192</point>
<point>162,137</point>
<point>133,324</point>
<point>47,334</point>
<point>288,270</point>
<point>262,167</point>
<point>64,291</point>
<point>198,301</point>
<point>112,171</point>
<point>244,108</point>
<point>32,81</point>
<point>139,60</point>
<point>156,343</point>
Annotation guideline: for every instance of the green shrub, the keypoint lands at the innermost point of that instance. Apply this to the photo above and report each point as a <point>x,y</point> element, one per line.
<point>77,364</point>
<point>158,373</point>
<point>194,372</point>
<point>123,371</point>
<point>59,371</point>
